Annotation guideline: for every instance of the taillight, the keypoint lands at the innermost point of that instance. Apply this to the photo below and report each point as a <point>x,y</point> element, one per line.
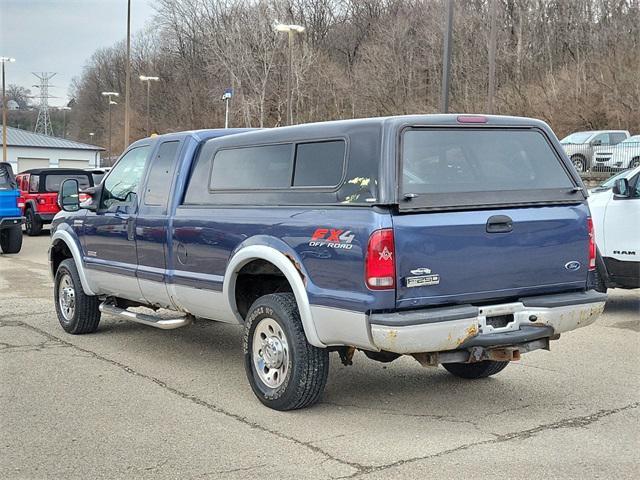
<point>380,265</point>
<point>471,119</point>
<point>592,245</point>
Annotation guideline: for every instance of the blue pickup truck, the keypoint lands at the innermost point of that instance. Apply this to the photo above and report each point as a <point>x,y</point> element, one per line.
<point>10,213</point>
<point>462,240</point>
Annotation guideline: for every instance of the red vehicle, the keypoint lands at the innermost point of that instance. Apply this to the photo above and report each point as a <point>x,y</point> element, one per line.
<point>39,193</point>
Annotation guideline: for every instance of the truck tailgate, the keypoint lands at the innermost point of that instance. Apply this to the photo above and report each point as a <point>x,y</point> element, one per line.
<point>463,256</point>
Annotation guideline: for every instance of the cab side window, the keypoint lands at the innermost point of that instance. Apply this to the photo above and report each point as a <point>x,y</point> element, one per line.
<point>120,188</point>
<point>602,139</point>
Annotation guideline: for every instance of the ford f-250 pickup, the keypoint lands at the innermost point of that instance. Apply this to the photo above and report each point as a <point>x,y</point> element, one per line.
<point>462,240</point>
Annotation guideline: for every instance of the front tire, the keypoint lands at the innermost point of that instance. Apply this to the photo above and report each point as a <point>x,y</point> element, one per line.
<point>579,163</point>
<point>11,239</point>
<point>482,369</point>
<point>77,312</point>
<point>33,224</point>
<point>285,371</point>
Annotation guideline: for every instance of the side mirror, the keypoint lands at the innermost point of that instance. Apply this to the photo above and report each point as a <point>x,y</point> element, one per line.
<point>621,188</point>
<point>68,197</point>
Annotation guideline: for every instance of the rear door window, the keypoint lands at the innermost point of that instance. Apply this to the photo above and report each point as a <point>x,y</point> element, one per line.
<point>161,174</point>
<point>52,182</point>
<point>616,138</point>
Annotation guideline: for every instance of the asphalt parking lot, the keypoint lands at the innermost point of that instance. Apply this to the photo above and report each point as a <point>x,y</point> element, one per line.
<point>133,402</point>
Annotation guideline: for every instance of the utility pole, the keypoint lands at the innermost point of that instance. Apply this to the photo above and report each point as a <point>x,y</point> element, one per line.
<point>493,40</point>
<point>446,57</point>
<point>111,102</point>
<point>127,78</point>
<point>147,79</point>
<point>4,60</point>
<point>290,30</point>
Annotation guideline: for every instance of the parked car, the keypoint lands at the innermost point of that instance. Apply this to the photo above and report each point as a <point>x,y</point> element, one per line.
<point>10,216</point>
<point>98,174</point>
<point>622,156</point>
<point>462,240</point>
<point>39,193</point>
<point>615,208</point>
<point>581,147</point>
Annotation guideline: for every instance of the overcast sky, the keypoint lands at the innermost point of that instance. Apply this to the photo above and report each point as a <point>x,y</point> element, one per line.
<point>60,35</point>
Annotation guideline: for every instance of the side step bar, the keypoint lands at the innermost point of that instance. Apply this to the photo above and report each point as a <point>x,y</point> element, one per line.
<point>162,323</point>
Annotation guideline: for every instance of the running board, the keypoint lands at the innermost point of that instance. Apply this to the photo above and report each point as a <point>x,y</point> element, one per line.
<point>151,321</point>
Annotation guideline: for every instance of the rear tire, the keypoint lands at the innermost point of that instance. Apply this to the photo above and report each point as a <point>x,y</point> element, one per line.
<point>635,162</point>
<point>33,224</point>
<point>285,371</point>
<point>11,239</point>
<point>77,312</point>
<point>482,369</point>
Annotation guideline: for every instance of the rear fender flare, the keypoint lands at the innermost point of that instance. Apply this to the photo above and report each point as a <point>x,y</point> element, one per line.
<point>287,267</point>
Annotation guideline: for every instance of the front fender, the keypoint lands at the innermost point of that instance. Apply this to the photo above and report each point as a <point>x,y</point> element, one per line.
<point>287,263</point>
<point>66,235</point>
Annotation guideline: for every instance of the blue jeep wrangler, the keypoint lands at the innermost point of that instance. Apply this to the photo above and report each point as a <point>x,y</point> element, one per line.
<point>10,214</point>
<point>464,241</point>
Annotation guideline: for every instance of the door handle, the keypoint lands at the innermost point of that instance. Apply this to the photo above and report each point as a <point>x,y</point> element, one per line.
<point>499,224</point>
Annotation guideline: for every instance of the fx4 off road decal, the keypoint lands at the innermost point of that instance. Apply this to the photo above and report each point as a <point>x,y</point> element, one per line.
<point>332,238</point>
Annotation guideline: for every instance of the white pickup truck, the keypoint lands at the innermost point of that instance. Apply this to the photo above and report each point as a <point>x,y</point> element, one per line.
<point>615,209</point>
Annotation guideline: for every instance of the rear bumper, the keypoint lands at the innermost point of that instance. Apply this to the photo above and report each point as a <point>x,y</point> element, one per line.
<point>467,326</point>
<point>10,222</point>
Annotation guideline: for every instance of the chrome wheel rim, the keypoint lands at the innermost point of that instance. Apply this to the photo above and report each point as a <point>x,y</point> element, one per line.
<point>578,164</point>
<point>66,297</point>
<point>270,352</point>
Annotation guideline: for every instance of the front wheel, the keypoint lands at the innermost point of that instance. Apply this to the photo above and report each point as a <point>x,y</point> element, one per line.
<point>285,371</point>
<point>580,163</point>
<point>77,311</point>
<point>33,224</point>
<point>11,239</point>
<point>482,369</point>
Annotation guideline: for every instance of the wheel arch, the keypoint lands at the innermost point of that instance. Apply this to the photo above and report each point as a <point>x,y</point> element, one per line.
<point>292,271</point>
<point>63,239</point>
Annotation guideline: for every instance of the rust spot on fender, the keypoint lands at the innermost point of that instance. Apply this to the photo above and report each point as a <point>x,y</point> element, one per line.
<point>297,267</point>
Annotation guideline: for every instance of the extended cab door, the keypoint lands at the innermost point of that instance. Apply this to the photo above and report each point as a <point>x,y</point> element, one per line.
<point>152,224</point>
<point>109,233</point>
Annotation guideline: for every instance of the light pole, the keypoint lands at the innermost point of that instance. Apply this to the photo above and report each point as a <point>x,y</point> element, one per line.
<point>111,102</point>
<point>127,80</point>
<point>64,120</point>
<point>4,60</point>
<point>290,30</point>
<point>147,79</point>
<point>226,96</point>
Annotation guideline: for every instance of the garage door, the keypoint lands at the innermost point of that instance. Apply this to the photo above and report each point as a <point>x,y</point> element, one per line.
<point>29,163</point>
<point>73,164</point>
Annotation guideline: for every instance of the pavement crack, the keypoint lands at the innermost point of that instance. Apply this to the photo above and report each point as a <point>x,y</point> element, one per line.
<point>572,422</point>
<point>198,401</point>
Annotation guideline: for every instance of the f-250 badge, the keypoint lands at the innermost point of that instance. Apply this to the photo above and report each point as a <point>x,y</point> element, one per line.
<point>422,277</point>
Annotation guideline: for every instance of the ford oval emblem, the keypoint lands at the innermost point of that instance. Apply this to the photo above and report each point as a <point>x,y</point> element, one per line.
<point>573,265</point>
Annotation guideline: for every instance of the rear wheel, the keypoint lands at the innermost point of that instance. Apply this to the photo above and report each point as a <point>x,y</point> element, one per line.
<point>635,162</point>
<point>77,311</point>
<point>482,369</point>
<point>11,239</point>
<point>285,371</point>
<point>33,224</point>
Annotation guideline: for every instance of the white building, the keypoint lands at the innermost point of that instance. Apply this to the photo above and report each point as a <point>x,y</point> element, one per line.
<point>26,150</point>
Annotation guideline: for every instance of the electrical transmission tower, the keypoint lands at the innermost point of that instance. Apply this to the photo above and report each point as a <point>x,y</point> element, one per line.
<point>43,123</point>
